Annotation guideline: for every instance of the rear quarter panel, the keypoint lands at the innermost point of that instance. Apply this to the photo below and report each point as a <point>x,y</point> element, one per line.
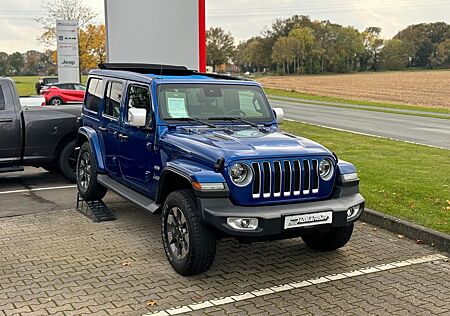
<point>44,129</point>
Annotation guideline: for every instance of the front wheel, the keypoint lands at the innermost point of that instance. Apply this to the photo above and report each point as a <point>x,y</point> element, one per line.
<point>56,101</point>
<point>333,239</point>
<point>88,187</point>
<point>190,245</point>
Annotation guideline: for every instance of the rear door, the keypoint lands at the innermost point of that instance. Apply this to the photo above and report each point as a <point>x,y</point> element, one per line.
<point>109,127</point>
<point>10,125</point>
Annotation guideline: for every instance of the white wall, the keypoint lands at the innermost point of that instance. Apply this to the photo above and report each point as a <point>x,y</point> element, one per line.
<point>153,31</point>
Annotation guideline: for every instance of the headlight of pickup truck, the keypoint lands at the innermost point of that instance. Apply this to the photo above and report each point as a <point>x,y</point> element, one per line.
<point>241,174</point>
<point>326,169</point>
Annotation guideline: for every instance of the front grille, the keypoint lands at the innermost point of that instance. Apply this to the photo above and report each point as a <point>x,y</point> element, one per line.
<point>283,178</point>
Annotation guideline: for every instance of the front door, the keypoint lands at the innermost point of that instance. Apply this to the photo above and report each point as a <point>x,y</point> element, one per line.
<point>137,155</point>
<point>110,127</point>
<point>10,127</point>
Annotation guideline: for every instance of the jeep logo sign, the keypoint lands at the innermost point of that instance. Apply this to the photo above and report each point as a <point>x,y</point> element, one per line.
<point>67,51</point>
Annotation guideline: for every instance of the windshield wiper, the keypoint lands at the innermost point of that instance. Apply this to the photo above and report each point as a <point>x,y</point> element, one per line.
<point>235,119</point>
<point>190,120</point>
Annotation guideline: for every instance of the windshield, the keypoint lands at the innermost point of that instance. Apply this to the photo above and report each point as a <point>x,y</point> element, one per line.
<point>213,101</point>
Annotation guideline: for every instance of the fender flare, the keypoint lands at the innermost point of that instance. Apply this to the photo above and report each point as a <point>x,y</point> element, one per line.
<point>89,134</point>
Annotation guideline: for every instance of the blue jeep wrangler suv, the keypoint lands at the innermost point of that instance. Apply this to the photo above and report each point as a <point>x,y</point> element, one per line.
<point>206,152</point>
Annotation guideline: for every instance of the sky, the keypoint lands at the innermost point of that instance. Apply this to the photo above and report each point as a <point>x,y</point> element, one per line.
<point>245,18</point>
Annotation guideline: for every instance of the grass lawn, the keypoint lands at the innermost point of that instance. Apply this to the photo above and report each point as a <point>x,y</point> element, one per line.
<point>400,179</point>
<point>26,84</point>
<point>383,106</point>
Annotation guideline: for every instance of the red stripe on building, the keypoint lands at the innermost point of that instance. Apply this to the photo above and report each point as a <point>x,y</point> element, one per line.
<point>202,35</point>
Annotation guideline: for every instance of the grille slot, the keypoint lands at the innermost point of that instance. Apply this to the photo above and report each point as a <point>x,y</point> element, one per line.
<point>277,179</point>
<point>285,178</point>
<point>267,183</point>
<point>306,176</point>
<point>257,180</point>
<point>315,176</point>
<point>297,174</point>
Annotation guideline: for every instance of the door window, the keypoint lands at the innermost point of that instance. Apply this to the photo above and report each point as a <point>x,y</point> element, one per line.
<point>139,97</point>
<point>94,94</point>
<point>2,99</point>
<point>113,98</point>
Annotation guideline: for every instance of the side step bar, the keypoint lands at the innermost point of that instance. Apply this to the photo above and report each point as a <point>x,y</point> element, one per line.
<point>128,193</point>
<point>11,169</point>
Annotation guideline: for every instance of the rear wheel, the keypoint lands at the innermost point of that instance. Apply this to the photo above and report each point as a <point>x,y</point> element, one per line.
<point>333,239</point>
<point>67,162</point>
<point>56,101</point>
<point>189,244</point>
<point>88,187</point>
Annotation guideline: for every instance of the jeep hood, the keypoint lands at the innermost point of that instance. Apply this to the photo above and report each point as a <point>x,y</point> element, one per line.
<point>210,144</point>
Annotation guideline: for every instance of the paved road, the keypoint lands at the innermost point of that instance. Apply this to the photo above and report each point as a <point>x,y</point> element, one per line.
<point>422,130</point>
<point>54,261</point>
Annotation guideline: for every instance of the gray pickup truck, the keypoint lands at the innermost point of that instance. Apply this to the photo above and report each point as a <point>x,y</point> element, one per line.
<point>37,136</point>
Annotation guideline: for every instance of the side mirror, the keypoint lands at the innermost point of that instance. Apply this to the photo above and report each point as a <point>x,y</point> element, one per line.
<point>137,117</point>
<point>279,114</point>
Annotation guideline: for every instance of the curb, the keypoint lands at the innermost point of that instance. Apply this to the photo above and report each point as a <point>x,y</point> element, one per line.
<point>428,236</point>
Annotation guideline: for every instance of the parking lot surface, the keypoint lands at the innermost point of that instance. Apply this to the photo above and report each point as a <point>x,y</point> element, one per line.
<point>56,261</point>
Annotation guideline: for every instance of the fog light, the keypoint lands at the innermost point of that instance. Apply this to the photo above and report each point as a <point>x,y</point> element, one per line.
<point>353,211</point>
<point>242,223</point>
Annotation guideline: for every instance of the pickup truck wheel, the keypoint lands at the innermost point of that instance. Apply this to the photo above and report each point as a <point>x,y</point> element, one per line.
<point>88,187</point>
<point>56,101</point>
<point>189,244</point>
<point>333,239</point>
<point>67,162</point>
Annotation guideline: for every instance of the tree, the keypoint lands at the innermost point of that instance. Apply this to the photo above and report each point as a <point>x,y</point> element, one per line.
<point>282,53</point>
<point>219,46</point>
<point>63,10</point>
<point>301,41</point>
<point>16,63</point>
<point>395,54</point>
<point>442,55</point>
<point>92,47</point>
<point>373,44</point>
<point>4,65</point>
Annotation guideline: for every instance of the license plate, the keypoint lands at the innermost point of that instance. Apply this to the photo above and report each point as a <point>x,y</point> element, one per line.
<point>310,219</point>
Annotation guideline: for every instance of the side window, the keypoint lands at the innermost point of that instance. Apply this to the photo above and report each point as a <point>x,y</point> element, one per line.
<point>139,97</point>
<point>94,94</point>
<point>2,99</point>
<point>113,98</point>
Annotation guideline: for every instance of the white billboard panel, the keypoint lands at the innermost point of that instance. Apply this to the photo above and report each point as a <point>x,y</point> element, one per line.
<point>67,51</point>
<point>156,32</point>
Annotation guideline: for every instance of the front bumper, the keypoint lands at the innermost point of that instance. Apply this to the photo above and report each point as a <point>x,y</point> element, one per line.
<point>215,212</point>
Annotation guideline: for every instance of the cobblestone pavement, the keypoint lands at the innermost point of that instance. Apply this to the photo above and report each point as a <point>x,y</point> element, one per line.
<point>61,263</point>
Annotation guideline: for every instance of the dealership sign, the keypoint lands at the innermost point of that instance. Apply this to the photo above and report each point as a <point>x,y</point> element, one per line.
<point>67,51</point>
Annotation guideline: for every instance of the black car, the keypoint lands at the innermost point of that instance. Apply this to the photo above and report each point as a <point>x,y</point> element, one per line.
<point>37,136</point>
<point>45,81</point>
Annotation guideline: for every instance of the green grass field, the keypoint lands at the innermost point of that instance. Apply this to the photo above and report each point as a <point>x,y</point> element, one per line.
<point>26,84</point>
<point>382,107</point>
<point>400,179</point>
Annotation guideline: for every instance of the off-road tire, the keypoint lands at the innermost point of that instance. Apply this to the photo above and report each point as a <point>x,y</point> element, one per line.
<point>67,162</point>
<point>93,191</point>
<point>202,241</point>
<point>333,239</point>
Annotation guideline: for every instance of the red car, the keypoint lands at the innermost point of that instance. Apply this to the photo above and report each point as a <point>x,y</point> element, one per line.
<point>61,93</point>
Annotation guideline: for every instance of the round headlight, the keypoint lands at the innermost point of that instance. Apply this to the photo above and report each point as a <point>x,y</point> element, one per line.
<point>241,174</point>
<point>326,169</point>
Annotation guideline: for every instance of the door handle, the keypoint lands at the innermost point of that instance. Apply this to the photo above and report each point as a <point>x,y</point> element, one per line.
<point>102,128</point>
<point>123,137</point>
<point>8,120</point>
